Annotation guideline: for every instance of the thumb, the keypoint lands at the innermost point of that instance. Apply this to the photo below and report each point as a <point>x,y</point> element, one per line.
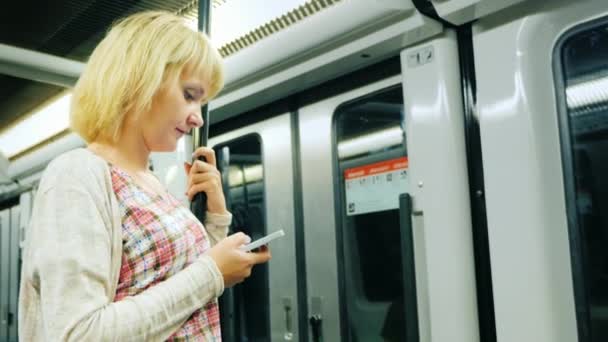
<point>187,167</point>
<point>239,239</point>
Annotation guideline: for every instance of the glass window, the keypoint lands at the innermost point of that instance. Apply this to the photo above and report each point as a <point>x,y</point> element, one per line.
<point>240,162</point>
<point>372,161</point>
<point>583,64</point>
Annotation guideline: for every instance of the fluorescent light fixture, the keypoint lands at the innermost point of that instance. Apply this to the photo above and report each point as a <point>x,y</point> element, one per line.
<point>235,18</point>
<point>587,94</point>
<point>251,174</point>
<point>370,142</point>
<point>43,124</point>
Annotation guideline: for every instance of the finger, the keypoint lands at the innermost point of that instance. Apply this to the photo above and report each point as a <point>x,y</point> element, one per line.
<point>199,166</point>
<point>210,186</point>
<point>238,239</point>
<point>206,152</point>
<point>204,177</point>
<point>207,187</point>
<point>260,257</point>
<point>262,248</point>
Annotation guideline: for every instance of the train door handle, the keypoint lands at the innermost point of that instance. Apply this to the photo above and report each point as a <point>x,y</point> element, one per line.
<point>5,314</point>
<point>316,319</point>
<point>316,326</point>
<point>410,311</point>
<point>288,336</point>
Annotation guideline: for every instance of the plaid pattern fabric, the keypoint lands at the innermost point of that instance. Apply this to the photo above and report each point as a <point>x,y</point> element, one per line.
<point>160,238</point>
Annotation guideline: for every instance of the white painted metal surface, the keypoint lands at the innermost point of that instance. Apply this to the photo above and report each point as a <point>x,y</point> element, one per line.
<point>439,185</point>
<point>327,60</point>
<point>459,12</point>
<point>316,32</point>
<point>37,66</point>
<point>528,234</point>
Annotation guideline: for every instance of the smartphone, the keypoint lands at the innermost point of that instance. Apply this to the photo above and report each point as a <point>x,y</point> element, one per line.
<point>262,241</point>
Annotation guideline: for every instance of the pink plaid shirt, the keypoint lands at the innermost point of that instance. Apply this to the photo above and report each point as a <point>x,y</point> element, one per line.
<point>160,238</point>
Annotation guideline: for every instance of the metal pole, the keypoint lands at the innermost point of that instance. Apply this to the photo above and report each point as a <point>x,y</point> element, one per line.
<point>204,25</point>
<point>200,136</point>
<point>40,67</point>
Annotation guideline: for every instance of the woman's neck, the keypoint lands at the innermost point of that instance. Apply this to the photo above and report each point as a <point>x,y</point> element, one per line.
<point>126,153</point>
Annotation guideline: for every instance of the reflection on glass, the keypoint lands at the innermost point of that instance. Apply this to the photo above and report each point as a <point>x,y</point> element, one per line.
<point>371,155</point>
<point>385,138</point>
<point>585,66</point>
<point>239,175</point>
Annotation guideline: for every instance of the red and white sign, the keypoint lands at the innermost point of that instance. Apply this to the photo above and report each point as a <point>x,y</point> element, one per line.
<point>375,187</point>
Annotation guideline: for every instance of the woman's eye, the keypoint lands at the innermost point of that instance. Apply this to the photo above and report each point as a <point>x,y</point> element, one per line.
<point>188,96</point>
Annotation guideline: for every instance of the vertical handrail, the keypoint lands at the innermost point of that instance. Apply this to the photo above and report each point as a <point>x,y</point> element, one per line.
<point>200,136</point>
<point>410,305</point>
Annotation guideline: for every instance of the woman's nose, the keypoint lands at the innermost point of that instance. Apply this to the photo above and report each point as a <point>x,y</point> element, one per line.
<point>195,120</point>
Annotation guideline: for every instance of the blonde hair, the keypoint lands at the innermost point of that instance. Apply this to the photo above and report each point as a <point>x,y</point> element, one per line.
<point>131,64</point>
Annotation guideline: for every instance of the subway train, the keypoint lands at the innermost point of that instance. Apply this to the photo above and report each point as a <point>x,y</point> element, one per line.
<point>436,166</point>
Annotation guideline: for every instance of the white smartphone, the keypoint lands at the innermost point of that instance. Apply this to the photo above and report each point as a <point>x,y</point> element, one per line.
<point>262,241</point>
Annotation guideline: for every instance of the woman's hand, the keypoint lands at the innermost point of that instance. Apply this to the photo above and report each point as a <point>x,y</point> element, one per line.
<point>204,177</point>
<point>234,264</point>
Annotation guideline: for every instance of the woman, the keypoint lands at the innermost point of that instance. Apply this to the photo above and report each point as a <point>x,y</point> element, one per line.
<point>110,255</point>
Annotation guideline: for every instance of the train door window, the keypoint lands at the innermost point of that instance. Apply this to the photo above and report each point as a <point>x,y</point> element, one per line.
<point>240,162</point>
<point>582,67</point>
<point>372,162</point>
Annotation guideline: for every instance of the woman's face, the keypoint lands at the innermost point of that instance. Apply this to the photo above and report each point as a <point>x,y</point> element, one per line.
<point>175,110</point>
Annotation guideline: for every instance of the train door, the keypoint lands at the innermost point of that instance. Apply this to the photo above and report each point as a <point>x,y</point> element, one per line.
<point>256,163</point>
<point>542,100</point>
<point>341,140</point>
<point>377,268</point>
<point>9,272</point>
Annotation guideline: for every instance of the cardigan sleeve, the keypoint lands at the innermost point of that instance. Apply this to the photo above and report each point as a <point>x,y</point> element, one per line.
<point>217,226</point>
<point>69,268</point>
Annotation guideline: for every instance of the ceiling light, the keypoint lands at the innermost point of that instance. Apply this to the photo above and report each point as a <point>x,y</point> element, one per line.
<point>38,127</point>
